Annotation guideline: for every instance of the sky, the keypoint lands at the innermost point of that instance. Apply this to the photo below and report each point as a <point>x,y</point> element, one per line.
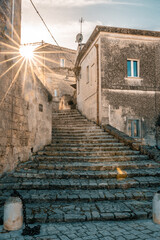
<point>62,18</point>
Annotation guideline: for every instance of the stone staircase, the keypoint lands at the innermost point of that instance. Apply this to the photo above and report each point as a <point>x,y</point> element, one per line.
<point>84,174</point>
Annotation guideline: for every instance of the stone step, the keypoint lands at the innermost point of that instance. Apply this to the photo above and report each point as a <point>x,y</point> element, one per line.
<point>73,115</point>
<point>34,183</point>
<point>66,110</point>
<point>90,137</point>
<point>68,116</point>
<point>81,135</point>
<point>85,149</point>
<point>71,119</point>
<point>84,141</point>
<point>87,174</point>
<point>85,130</point>
<point>103,166</point>
<point>91,158</point>
<point>78,134</point>
<point>86,145</point>
<point>70,123</point>
<point>66,113</point>
<point>75,212</point>
<point>84,126</point>
<point>41,196</point>
<point>91,153</point>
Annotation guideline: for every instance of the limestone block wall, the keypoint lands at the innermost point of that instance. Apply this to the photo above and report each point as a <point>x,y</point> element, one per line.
<point>25,108</point>
<point>124,98</point>
<point>25,117</point>
<point>39,112</point>
<point>131,105</point>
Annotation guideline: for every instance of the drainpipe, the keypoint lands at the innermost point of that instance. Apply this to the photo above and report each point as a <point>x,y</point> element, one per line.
<point>156,111</point>
<point>13,8</point>
<point>97,50</point>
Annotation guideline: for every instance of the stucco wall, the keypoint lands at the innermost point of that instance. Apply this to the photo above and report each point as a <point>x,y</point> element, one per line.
<point>124,98</point>
<point>87,90</point>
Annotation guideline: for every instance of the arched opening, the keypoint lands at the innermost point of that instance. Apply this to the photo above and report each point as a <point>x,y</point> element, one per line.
<point>67,102</point>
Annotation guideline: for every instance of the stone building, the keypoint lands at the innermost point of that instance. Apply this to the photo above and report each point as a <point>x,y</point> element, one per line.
<point>55,68</point>
<point>118,81</point>
<point>25,108</point>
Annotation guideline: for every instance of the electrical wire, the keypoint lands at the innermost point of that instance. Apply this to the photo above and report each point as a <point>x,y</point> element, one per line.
<point>44,22</point>
<point>47,28</point>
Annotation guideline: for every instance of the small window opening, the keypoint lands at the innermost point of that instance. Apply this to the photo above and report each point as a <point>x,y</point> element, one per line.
<point>134,128</point>
<point>40,108</point>
<point>87,74</point>
<point>55,92</point>
<point>132,68</point>
<point>62,62</point>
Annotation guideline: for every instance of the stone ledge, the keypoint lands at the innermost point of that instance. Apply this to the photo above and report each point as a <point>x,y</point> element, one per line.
<point>135,144</point>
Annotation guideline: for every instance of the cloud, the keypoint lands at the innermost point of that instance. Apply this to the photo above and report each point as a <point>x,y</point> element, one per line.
<point>80,3</point>
<point>63,33</point>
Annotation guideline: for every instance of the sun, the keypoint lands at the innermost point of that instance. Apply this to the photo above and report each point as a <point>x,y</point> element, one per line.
<point>27,51</point>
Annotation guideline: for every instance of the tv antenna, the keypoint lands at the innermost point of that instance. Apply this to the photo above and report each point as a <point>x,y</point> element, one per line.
<point>81,24</point>
<point>79,37</point>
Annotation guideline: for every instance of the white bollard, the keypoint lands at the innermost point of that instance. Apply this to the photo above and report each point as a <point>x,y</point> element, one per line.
<point>156,208</point>
<point>13,214</point>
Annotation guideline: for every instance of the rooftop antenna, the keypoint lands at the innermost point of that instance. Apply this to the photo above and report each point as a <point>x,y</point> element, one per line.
<point>79,37</point>
<point>81,24</point>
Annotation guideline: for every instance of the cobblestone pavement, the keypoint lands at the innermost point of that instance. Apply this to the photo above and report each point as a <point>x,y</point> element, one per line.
<point>120,230</point>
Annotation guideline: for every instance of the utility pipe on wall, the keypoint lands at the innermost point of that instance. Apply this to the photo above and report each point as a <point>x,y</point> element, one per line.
<point>97,52</point>
<point>13,8</point>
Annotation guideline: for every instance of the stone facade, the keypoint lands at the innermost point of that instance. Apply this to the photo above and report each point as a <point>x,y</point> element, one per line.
<point>128,103</point>
<point>22,125</point>
<point>55,68</point>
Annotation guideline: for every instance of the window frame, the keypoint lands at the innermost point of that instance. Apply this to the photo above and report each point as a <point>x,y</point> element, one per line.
<point>62,65</point>
<point>132,128</point>
<point>87,74</point>
<point>92,73</point>
<point>78,85</point>
<point>55,93</point>
<point>132,68</point>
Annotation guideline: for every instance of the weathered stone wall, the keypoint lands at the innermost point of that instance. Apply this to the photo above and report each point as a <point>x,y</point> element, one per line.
<point>23,128</point>
<point>39,112</point>
<point>115,52</point>
<point>124,98</point>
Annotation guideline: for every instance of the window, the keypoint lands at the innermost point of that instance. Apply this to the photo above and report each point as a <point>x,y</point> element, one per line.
<point>62,62</point>
<point>40,108</point>
<point>134,128</point>
<point>132,68</point>
<point>87,74</point>
<point>93,74</point>
<point>78,86</point>
<point>55,92</point>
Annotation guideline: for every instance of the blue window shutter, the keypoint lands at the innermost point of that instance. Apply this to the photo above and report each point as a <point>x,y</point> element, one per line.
<point>135,69</point>
<point>129,68</point>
